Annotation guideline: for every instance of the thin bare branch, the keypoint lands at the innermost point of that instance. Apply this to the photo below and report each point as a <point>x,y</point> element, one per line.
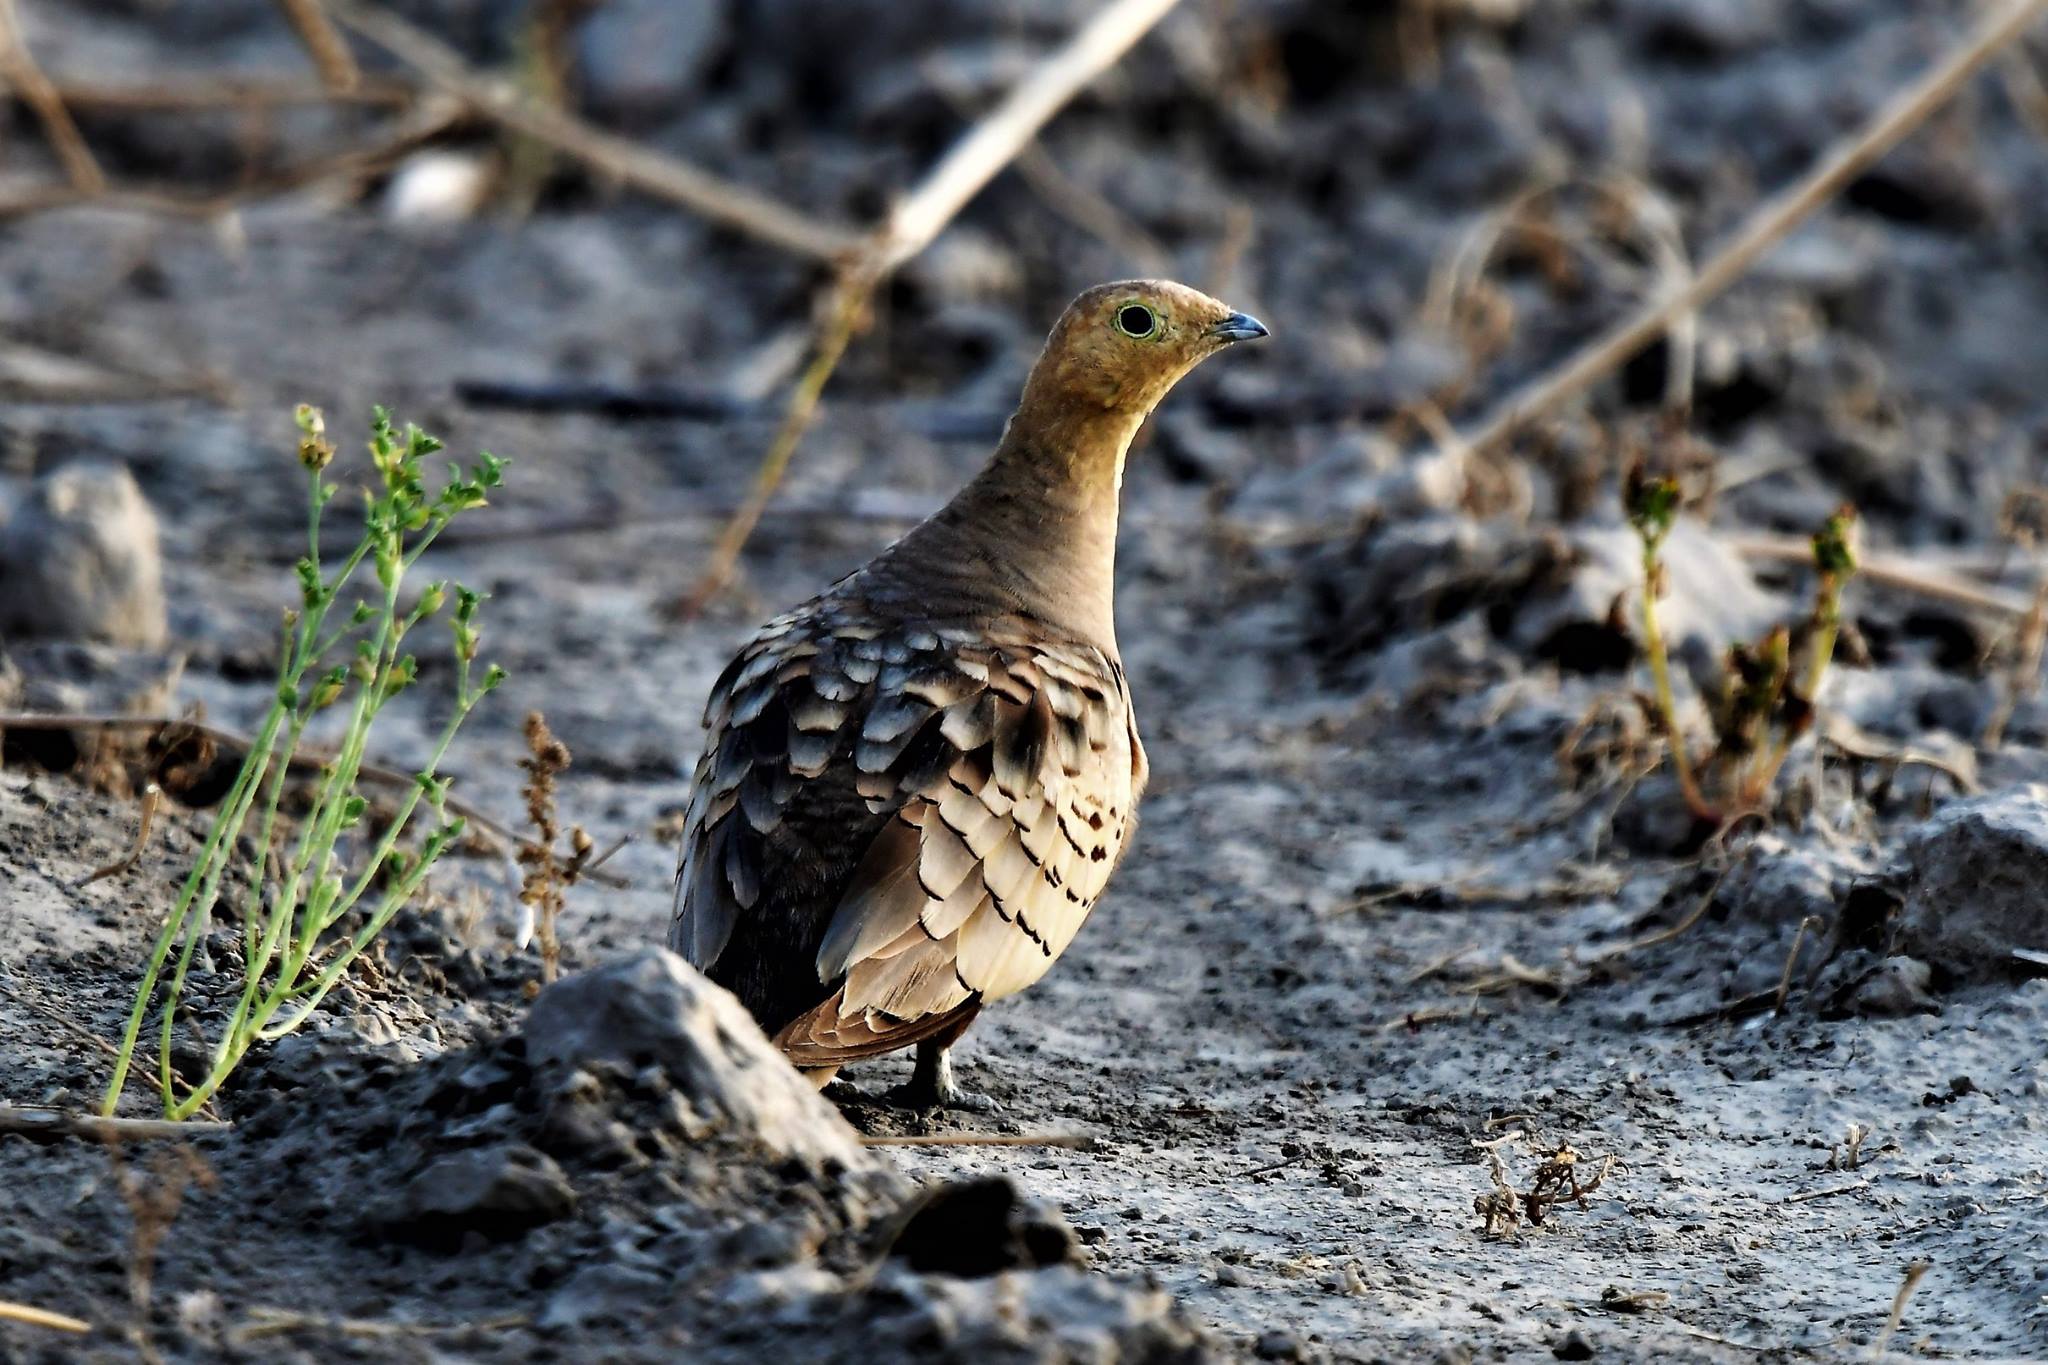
<point>432,118</point>
<point>844,309</point>
<point>1008,128</point>
<point>36,1122</point>
<point>20,72</point>
<point>223,91</point>
<point>992,144</point>
<point>651,172</point>
<point>1779,215</point>
<point>1080,1142</point>
<point>328,49</point>
<point>1891,571</point>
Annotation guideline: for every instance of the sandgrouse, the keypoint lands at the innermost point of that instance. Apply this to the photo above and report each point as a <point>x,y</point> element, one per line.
<point>915,785</point>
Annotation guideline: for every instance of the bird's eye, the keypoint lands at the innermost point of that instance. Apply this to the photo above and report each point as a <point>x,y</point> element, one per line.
<point>1137,321</point>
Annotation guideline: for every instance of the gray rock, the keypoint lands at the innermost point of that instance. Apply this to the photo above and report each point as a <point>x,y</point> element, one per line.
<point>496,1191</point>
<point>1899,986</point>
<point>1974,889</point>
<point>973,1228</point>
<point>1061,1313</point>
<point>653,1008</point>
<point>80,560</point>
<point>604,1291</point>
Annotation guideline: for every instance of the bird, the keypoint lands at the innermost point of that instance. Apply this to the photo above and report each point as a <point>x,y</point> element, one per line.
<point>915,785</point>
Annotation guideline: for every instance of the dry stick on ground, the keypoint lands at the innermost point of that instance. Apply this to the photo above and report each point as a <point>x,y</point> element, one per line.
<point>41,1317</point>
<point>275,1322</point>
<point>20,72</point>
<point>1890,571</point>
<point>991,145</point>
<point>1779,215</point>
<point>664,177</point>
<point>328,49</point>
<point>432,118</point>
<point>36,1122</point>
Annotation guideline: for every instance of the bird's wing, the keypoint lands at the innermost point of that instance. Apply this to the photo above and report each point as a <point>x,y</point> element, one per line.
<point>1007,772</point>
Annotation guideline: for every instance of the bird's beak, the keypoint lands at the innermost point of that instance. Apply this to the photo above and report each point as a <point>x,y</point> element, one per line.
<point>1238,327</point>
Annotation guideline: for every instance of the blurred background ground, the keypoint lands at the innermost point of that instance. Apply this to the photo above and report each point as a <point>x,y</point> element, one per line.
<point>1369,920</point>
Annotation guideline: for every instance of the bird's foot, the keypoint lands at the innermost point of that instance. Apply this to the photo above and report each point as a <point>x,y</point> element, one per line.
<point>931,1086</point>
<point>922,1098</point>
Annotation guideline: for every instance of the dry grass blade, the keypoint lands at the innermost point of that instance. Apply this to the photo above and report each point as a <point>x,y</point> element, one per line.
<point>1779,215</point>
<point>20,72</point>
<point>651,172</point>
<point>1792,959</point>
<point>1914,1274</point>
<point>152,797</point>
<point>42,1317</point>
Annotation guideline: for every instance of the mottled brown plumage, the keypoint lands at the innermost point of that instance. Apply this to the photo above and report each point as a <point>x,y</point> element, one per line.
<point>916,785</point>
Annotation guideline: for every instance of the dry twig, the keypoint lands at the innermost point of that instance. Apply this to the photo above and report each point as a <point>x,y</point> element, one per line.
<point>224,91</point>
<point>432,118</point>
<point>651,172</point>
<point>1080,1142</point>
<point>42,1317</point>
<point>21,74</point>
<point>275,1322</point>
<point>1556,1181</point>
<point>1002,135</point>
<point>1891,571</point>
<point>328,49</point>
<point>1769,224</point>
<point>33,1121</point>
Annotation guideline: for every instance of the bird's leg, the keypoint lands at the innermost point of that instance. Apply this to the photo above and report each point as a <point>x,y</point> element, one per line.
<point>931,1084</point>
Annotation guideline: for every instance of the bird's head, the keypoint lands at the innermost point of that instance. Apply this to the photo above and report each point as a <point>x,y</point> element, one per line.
<point>1119,347</point>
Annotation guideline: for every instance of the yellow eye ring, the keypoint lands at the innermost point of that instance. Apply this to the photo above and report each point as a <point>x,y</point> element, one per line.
<point>1137,321</point>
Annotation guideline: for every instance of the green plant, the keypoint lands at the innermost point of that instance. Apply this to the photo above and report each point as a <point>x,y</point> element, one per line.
<point>1651,503</point>
<point>293,943</point>
<point>1766,697</point>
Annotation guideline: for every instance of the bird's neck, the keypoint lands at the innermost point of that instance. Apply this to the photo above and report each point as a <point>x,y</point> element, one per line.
<point>1038,524</point>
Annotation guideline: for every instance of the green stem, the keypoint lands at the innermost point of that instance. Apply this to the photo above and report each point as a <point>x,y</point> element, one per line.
<point>1667,699</point>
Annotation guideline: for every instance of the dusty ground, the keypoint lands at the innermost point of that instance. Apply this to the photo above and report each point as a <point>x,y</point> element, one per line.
<point>1287,1026</point>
